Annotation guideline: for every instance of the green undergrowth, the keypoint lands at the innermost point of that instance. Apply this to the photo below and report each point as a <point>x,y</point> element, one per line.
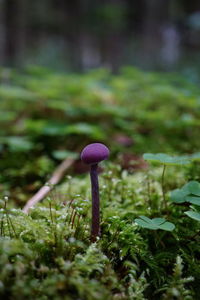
<point>48,254</point>
<point>46,116</point>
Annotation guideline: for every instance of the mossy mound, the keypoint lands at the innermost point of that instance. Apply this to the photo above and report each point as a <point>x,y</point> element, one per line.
<point>48,254</point>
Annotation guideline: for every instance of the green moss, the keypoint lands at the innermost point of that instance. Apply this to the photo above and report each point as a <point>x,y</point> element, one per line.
<point>49,255</point>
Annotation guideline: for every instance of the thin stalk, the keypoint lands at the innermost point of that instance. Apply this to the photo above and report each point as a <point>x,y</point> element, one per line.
<point>51,214</point>
<point>95,230</point>
<point>70,203</point>
<point>67,213</point>
<point>193,236</point>
<point>2,229</point>
<point>71,216</point>
<point>159,240</point>
<point>7,219</point>
<point>12,226</point>
<point>73,220</point>
<point>77,226</point>
<point>114,236</point>
<point>53,224</point>
<point>148,189</point>
<point>163,186</point>
<point>2,219</point>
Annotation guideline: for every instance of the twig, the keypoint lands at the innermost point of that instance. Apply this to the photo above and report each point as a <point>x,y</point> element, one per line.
<point>56,177</point>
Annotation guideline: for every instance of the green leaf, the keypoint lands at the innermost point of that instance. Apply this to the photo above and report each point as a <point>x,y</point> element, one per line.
<point>15,93</point>
<point>193,214</point>
<point>144,224</point>
<point>178,196</point>
<point>50,128</point>
<point>154,224</point>
<point>193,200</point>
<point>193,187</point>
<point>158,221</point>
<point>86,129</point>
<point>190,192</point>
<point>146,219</point>
<point>167,226</point>
<point>166,159</point>
<point>17,143</point>
<point>63,154</point>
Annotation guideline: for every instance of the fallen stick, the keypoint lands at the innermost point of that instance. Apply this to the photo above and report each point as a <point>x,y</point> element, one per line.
<point>55,178</point>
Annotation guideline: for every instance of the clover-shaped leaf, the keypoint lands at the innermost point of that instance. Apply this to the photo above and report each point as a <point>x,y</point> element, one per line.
<point>178,196</point>
<point>154,224</point>
<point>193,214</point>
<point>190,193</point>
<point>171,160</point>
<point>166,159</point>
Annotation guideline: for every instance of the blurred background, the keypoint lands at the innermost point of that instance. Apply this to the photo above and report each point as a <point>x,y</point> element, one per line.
<point>83,34</point>
<point>73,72</point>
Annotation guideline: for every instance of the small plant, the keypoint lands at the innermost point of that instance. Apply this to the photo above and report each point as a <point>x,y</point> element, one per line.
<point>92,154</point>
<point>154,224</point>
<point>165,160</point>
<point>177,286</point>
<point>190,193</point>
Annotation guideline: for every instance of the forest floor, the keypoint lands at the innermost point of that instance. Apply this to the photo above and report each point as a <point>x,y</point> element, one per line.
<point>149,244</point>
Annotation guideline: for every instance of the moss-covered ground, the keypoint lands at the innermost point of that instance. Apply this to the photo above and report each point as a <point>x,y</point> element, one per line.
<point>47,254</point>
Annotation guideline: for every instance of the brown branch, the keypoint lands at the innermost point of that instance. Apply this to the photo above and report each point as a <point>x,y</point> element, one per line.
<point>56,177</point>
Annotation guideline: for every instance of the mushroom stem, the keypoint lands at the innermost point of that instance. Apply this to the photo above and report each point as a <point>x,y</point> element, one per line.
<point>95,230</point>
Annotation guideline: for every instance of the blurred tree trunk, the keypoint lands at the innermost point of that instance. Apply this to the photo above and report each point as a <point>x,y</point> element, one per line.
<point>189,6</point>
<point>15,12</point>
<point>156,13</point>
<point>21,25</point>
<point>10,33</point>
<point>114,38</point>
<point>71,11</point>
<point>2,32</point>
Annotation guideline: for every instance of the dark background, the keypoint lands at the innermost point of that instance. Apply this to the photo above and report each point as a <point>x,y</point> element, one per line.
<point>82,34</point>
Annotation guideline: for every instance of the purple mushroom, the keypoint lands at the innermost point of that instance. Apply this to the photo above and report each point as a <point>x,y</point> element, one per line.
<point>92,154</point>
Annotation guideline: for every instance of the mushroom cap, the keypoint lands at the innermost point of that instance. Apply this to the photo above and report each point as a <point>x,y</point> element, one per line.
<point>94,153</point>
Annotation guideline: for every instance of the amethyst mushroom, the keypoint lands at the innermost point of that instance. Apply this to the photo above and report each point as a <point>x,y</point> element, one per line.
<point>92,154</point>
